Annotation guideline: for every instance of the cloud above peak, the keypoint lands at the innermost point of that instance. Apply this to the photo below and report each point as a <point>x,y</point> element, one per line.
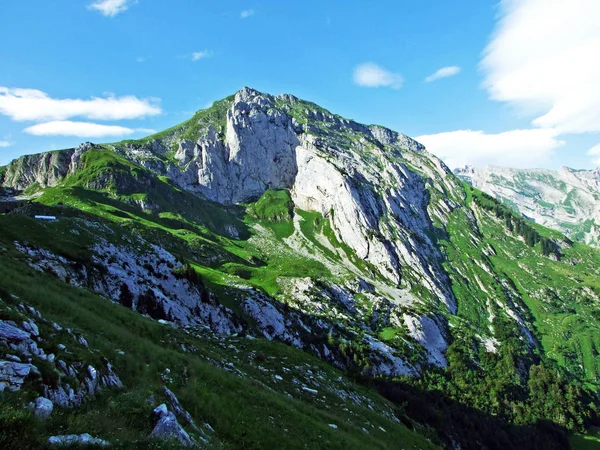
<point>372,75</point>
<point>4,144</point>
<point>35,105</point>
<point>197,56</point>
<point>542,59</point>
<point>444,72</point>
<point>247,13</point>
<point>515,148</point>
<point>110,8</point>
<point>81,129</point>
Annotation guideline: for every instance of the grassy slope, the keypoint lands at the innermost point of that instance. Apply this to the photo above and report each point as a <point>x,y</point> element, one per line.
<point>559,294</point>
<point>237,408</point>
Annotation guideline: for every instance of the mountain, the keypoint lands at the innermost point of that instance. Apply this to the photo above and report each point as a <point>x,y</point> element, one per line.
<point>566,200</point>
<point>278,267</point>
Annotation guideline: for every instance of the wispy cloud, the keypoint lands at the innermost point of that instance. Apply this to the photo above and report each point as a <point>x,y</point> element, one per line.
<point>542,59</point>
<point>197,56</point>
<point>515,148</point>
<point>32,104</point>
<point>594,152</point>
<point>247,13</point>
<point>4,144</point>
<point>110,8</point>
<point>444,72</point>
<point>372,75</point>
<point>81,129</point>
<point>142,59</point>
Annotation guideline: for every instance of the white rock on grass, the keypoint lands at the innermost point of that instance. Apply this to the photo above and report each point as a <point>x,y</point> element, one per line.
<point>77,439</point>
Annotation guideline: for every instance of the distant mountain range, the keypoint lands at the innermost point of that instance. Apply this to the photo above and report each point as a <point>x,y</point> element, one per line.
<point>566,200</point>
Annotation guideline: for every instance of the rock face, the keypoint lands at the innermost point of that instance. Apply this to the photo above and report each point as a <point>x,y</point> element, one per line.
<point>266,147</point>
<point>43,169</point>
<point>567,200</point>
<point>149,281</point>
<point>257,154</point>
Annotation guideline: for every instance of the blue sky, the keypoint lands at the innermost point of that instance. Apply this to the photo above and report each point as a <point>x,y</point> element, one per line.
<point>104,70</point>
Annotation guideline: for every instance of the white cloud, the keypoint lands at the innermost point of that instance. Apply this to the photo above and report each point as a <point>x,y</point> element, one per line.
<point>246,13</point>
<point>110,8</point>
<point>595,152</point>
<point>444,72</point>
<point>196,56</point>
<point>515,148</point>
<point>4,144</point>
<point>142,59</point>
<point>32,104</point>
<point>80,129</point>
<point>543,59</point>
<point>371,75</point>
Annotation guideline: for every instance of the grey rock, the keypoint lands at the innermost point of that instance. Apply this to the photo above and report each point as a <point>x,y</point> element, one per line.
<point>161,410</point>
<point>10,332</point>
<point>31,328</point>
<point>77,439</point>
<point>13,374</point>
<point>167,427</point>
<point>43,407</point>
<point>82,341</point>
<point>181,412</point>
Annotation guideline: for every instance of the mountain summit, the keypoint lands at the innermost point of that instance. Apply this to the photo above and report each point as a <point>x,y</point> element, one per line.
<point>270,216</point>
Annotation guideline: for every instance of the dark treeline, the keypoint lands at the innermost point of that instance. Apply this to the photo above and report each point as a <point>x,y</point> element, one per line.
<point>516,224</point>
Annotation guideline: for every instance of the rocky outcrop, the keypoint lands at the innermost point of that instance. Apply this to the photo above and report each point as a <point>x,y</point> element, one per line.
<point>23,338</point>
<point>329,164</point>
<point>13,374</point>
<point>257,153</point>
<point>69,440</point>
<point>167,427</point>
<point>147,282</point>
<point>43,169</point>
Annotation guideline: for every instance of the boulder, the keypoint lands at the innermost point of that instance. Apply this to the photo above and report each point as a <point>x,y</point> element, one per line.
<point>168,428</point>
<point>43,408</point>
<point>10,332</point>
